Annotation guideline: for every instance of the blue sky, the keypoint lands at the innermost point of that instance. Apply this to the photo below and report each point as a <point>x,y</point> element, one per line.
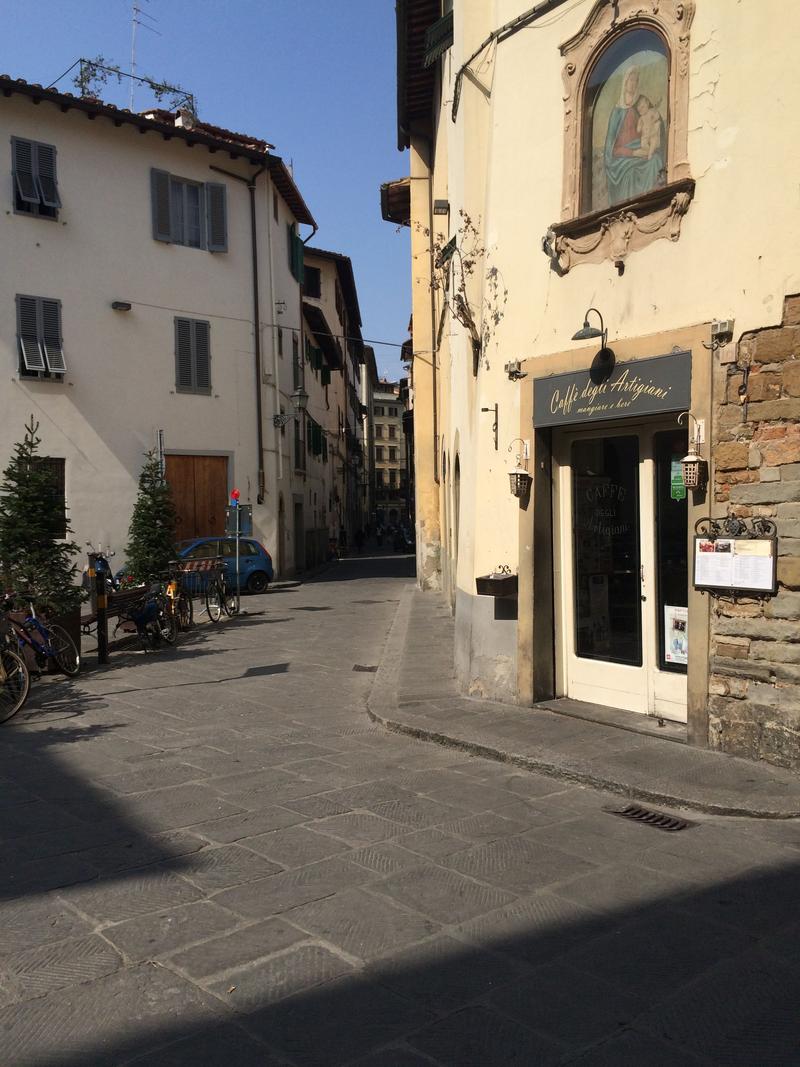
<point>316,78</point>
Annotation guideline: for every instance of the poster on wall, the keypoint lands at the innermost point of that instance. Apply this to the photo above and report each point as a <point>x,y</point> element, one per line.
<point>736,564</point>
<point>676,634</point>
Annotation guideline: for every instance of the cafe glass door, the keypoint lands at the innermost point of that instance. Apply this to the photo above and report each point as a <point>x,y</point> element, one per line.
<point>622,571</point>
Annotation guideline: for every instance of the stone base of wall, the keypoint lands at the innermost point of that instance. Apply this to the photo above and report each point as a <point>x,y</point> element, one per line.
<point>754,688</point>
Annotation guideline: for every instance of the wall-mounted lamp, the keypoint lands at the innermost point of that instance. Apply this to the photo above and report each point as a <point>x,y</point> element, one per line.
<point>587,332</point>
<point>299,399</point>
<point>694,469</point>
<point>120,305</point>
<point>441,207</point>
<point>604,360</point>
<point>519,479</point>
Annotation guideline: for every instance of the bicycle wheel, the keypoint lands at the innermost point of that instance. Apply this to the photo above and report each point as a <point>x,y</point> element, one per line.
<point>185,612</point>
<point>214,602</point>
<point>15,682</point>
<point>168,628</point>
<point>65,654</point>
<point>231,604</point>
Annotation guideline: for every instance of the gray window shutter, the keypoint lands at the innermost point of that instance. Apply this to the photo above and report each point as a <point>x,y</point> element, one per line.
<point>51,336</point>
<point>24,171</point>
<point>28,333</point>
<point>202,357</point>
<point>183,354</point>
<point>46,175</point>
<point>217,216</point>
<point>159,189</point>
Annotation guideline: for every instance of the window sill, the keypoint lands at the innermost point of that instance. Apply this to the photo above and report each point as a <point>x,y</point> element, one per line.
<point>614,232</point>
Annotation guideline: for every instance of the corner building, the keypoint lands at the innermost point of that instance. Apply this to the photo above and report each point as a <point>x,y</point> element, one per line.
<point>604,276</point>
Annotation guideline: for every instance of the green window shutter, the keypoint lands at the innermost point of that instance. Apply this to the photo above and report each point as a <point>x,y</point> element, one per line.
<point>202,356</point>
<point>324,449</point>
<point>216,217</point>
<point>183,354</point>
<point>28,333</point>
<point>24,170</point>
<point>290,245</point>
<point>301,274</point>
<point>51,336</point>
<point>326,375</point>
<point>46,175</point>
<point>160,201</point>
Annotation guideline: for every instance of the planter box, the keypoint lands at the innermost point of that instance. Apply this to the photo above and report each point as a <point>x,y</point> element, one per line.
<point>497,585</point>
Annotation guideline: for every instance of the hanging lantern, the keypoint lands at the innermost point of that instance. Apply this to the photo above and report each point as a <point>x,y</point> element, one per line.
<point>693,469</point>
<point>520,481</point>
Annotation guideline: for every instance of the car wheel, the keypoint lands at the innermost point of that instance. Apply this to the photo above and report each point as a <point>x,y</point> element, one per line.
<point>257,582</point>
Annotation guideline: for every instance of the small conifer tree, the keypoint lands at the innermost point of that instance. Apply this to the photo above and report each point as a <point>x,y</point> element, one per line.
<point>151,535</point>
<point>35,556</point>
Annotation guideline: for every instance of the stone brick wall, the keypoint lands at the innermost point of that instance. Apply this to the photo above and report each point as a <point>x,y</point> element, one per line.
<point>754,689</point>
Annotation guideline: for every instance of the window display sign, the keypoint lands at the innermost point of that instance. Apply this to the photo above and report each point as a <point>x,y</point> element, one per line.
<point>736,564</point>
<point>676,639</point>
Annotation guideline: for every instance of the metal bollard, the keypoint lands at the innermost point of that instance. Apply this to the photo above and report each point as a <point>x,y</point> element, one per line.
<point>101,599</point>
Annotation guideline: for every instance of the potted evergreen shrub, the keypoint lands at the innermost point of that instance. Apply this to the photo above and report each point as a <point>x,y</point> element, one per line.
<point>151,535</point>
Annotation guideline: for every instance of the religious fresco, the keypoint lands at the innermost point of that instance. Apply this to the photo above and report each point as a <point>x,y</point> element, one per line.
<point>625,137</point>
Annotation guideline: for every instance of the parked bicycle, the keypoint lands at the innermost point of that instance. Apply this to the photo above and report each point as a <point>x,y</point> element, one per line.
<point>154,620</point>
<point>218,598</point>
<point>48,642</point>
<point>15,680</point>
<point>179,601</point>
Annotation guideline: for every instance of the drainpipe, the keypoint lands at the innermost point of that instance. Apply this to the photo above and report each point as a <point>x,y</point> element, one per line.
<point>251,186</point>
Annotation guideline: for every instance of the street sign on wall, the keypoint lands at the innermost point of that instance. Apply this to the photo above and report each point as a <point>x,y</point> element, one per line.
<point>638,388</point>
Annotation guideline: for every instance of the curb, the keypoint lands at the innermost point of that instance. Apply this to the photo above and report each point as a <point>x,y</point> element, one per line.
<point>381,706</point>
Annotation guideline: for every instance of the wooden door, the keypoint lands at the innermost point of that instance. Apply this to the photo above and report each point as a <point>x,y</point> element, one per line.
<point>199,487</point>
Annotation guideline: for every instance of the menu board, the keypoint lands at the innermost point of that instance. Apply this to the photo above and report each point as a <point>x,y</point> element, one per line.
<point>736,564</point>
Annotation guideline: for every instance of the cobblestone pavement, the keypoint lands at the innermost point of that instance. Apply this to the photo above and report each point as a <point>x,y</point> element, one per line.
<point>211,857</point>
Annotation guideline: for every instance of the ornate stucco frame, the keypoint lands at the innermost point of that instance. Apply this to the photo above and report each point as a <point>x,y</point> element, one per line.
<point>614,232</point>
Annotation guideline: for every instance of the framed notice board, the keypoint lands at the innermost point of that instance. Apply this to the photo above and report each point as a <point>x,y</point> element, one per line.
<point>744,565</point>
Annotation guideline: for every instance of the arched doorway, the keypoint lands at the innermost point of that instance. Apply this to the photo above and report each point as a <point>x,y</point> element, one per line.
<point>456,511</point>
<point>281,547</point>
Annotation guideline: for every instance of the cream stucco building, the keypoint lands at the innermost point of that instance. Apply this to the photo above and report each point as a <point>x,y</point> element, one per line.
<point>151,295</point>
<point>626,158</point>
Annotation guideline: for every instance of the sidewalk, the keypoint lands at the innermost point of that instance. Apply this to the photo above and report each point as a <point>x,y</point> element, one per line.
<point>415,693</point>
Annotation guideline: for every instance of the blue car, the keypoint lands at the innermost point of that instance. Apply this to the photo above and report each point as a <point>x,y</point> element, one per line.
<point>255,563</point>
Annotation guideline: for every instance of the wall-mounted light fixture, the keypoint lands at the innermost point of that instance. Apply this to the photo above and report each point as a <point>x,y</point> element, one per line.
<point>604,360</point>
<point>694,469</point>
<point>441,207</point>
<point>518,477</point>
<point>120,305</point>
<point>299,399</point>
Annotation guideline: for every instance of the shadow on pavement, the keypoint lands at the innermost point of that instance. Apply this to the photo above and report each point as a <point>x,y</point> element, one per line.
<point>695,976</point>
<point>353,568</point>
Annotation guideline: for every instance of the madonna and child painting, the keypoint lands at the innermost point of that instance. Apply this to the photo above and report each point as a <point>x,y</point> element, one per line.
<point>626,117</point>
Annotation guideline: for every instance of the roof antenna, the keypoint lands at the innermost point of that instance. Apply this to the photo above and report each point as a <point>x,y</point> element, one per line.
<point>138,13</point>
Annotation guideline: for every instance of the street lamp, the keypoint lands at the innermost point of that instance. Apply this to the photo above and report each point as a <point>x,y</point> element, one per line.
<point>299,399</point>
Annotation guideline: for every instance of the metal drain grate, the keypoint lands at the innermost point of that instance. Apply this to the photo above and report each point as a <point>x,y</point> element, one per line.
<point>659,819</point>
<point>361,667</point>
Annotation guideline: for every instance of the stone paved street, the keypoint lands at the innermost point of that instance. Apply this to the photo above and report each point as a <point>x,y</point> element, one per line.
<point>211,856</point>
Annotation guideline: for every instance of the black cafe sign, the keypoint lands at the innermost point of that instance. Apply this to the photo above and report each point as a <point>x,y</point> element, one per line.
<point>642,387</point>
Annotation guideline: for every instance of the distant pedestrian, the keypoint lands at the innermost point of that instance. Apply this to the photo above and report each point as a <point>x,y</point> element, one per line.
<point>359,540</point>
<point>379,535</point>
<point>342,539</point>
